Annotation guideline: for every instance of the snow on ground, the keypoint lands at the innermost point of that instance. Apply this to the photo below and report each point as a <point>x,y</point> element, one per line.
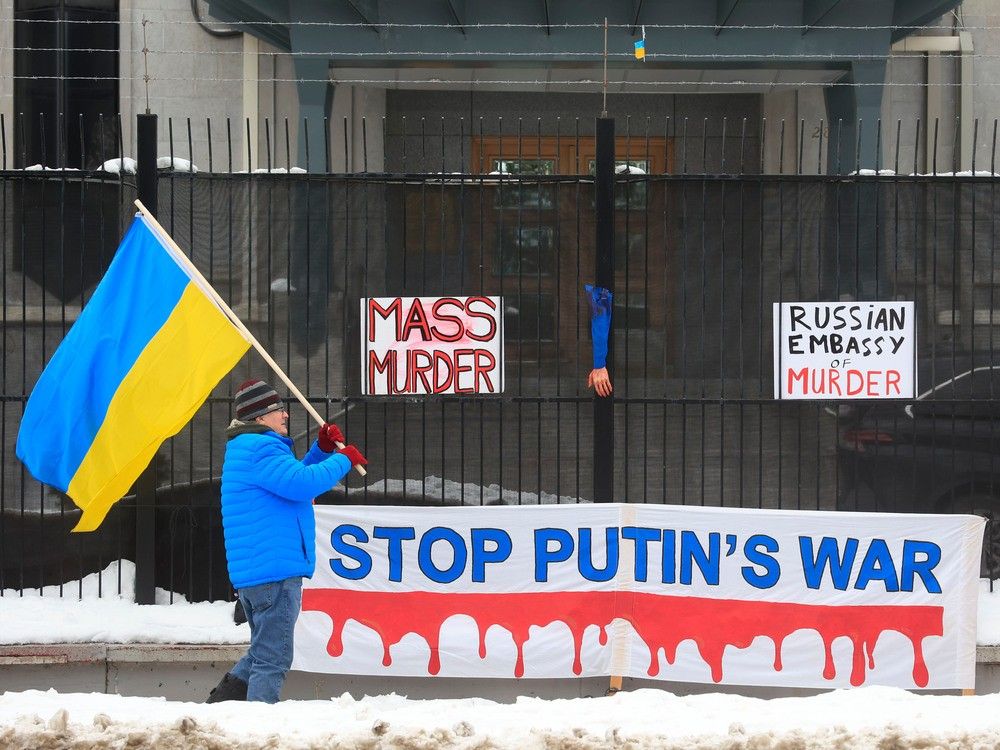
<point>48,618</point>
<point>873,718</point>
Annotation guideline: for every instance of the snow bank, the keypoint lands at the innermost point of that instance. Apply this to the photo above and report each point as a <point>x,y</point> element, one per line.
<point>858,719</point>
<point>988,617</point>
<point>433,488</point>
<point>117,166</point>
<point>891,173</point>
<point>274,170</point>
<point>964,173</point>
<point>81,615</point>
<point>40,168</point>
<point>176,164</point>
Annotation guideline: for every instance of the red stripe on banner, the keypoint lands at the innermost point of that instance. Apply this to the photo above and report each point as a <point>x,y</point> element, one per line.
<point>662,622</point>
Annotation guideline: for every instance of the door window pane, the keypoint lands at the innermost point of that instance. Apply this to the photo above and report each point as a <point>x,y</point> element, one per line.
<point>525,166</point>
<point>627,194</point>
<point>517,194</point>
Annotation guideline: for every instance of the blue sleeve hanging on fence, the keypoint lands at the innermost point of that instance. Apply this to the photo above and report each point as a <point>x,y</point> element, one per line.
<point>599,300</point>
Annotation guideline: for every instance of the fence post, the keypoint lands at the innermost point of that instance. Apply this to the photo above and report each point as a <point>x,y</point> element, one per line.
<point>145,485</point>
<point>604,427</point>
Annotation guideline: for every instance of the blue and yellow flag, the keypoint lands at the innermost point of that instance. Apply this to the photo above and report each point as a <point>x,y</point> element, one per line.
<point>640,46</point>
<point>142,357</point>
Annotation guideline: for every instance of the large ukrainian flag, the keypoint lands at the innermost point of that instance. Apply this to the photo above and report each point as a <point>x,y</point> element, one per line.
<point>143,356</point>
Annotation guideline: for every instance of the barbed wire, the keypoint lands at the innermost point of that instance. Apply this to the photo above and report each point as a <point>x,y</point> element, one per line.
<point>840,56</point>
<point>511,82</point>
<point>515,25</point>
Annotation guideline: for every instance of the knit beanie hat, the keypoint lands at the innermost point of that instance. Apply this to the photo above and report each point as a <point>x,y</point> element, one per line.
<point>255,398</point>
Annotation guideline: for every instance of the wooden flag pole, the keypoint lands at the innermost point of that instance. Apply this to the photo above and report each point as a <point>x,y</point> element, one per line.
<point>204,284</point>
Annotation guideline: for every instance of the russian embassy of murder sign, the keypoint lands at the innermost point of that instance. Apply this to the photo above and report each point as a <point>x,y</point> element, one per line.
<point>431,345</point>
<point>752,597</point>
<point>838,350</point>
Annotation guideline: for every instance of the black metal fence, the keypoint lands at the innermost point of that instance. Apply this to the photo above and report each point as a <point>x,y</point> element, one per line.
<point>712,223</point>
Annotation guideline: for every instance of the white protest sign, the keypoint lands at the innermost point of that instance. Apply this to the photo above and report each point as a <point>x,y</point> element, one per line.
<point>431,345</point>
<point>723,595</point>
<point>844,350</point>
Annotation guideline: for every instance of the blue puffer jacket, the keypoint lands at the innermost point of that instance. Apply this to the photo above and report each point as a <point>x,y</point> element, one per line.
<point>267,512</point>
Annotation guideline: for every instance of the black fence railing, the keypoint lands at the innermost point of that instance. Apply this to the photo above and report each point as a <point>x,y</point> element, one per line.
<point>712,223</point>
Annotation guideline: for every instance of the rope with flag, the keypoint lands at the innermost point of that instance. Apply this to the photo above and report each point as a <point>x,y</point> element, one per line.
<point>640,46</point>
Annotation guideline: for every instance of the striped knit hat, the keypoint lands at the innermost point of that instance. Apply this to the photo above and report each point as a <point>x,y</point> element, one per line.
<point>255,398</point>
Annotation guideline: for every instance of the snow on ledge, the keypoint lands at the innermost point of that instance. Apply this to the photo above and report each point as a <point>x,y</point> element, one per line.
<point>434,489</point>
<point>176,164</point>
<point>40,168</point>
<point>893,173</point>
<point>81,616</point>
<point>117,166</point>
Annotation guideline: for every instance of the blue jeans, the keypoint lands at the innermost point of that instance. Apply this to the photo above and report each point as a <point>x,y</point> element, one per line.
<point>271,610</point>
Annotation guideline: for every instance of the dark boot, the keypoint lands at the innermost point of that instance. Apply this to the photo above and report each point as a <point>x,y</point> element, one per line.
<point>230,689</point>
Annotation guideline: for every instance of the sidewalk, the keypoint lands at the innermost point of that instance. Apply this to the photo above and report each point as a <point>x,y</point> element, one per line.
<point>188,671</point>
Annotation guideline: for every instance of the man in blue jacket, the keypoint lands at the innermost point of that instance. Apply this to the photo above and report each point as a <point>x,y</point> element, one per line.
<point>270,531</point>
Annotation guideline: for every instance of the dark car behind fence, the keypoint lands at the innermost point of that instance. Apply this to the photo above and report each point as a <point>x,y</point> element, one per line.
<point>707,235</point>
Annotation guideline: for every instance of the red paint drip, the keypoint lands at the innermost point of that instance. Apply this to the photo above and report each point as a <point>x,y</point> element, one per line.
<point>662,622</point>
<point>715,624</point>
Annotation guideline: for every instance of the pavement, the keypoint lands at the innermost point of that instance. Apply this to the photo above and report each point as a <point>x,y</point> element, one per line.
<point>186,672</point>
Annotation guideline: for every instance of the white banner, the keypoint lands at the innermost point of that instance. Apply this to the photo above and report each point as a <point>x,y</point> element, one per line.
<point>751,597</point>
<point>422,345</point>
<point>844,350</point>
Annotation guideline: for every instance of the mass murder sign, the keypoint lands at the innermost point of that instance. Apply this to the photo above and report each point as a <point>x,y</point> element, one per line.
<point>431,345</point>
<point>838,350</point>
<point>712,595</point>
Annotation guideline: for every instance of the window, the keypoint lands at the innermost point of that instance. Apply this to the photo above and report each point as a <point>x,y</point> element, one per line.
<point>525,193</point>
<point>628,195</point>
<point>68,97</point>
<point>565,155</point>
<point>524,166</point>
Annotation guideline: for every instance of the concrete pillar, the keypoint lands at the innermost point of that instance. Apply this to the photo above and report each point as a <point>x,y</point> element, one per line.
<point>315,96</point>
<point>855,103</point>
<point>851,253</point>
<point>311,243</point>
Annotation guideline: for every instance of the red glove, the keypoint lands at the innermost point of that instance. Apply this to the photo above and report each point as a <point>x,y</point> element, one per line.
<point>354,455</point>
<point>329,436</point>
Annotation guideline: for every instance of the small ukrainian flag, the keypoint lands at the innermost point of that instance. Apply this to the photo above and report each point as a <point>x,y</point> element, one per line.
<point>640,46</point>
